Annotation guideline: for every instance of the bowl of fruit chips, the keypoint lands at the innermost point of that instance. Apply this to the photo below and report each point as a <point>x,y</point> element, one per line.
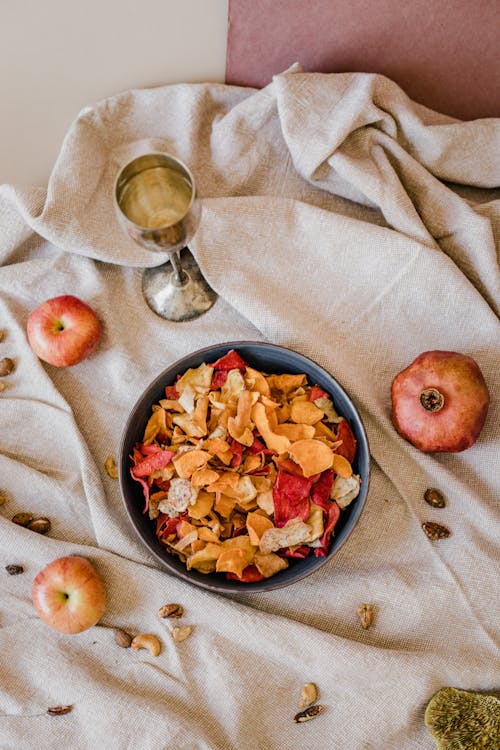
<point>244,467</point>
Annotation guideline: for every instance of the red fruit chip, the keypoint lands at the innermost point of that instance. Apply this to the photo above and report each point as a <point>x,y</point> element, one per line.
<point>332,518</point>
<point>317,392</point>
<point>348,447</point>
<point>171,393</point>
<point>219,379</point>
<point>320,493</point>
<point>157,460</point>
<point>291,498</point>
<point>230,361</point>
<point>250,574</point>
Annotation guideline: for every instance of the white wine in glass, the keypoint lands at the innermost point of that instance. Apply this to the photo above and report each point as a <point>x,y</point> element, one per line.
<point>157,205</point>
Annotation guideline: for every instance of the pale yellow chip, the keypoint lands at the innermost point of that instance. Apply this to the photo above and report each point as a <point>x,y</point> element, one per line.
<point>268,564</point>
<point>256,525</point>
<point>278,443</point>
<point>244,490</point>
<point>305,412</point>
<point>313,456</point>
<point>316,522</point>
<point>295,432</point>
<point>199,379</point>
<point>255,381</point>
<point>189,461</point>
<point>293,532</point>
<point>240,427</point>
<point>286,383</point>
<point>205,559</point>
<point>157,424</point>
<point>207,535</point>
<point>226,482</point>
<point>251,463</point>
<point>194,424</point>
<point>341,466</point>
<point>202,505</point>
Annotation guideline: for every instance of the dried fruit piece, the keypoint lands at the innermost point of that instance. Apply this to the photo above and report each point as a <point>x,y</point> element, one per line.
<point>435,530</point>
<point>22,519</point>
<point>122,638</point>
<point>308,694</point>
<point>111,467</point>
<point>171,610</point>
<point>14,570</point>
<point>40,525</point>
<point>59,710</point>
<point>308,713</point>
<point>434,498</point>
<point>464,719</point>
<point>6,366</point>
<point>180,634</point>
<point>365,614</point>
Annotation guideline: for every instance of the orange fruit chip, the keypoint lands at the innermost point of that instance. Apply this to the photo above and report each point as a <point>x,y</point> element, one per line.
<point>256,525</point>
<point>341,466</point>
<point>296,432</point>
<point>203,477</point>
<point>305,412</point>
<point>232,561</point>
<point>157,424</point>
<point>255,381</point>
<point>186,463</point>
<point>274,442</point>
<point>312,455</point>
<point>207,535</point>
<point>286,383</point>
<point>268,564</point>
<point>224,505</point>
<point>202,505</point>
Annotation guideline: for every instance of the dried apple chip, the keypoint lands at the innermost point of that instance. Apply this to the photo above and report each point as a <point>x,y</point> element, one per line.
<point>205,559</point>
<point>312,455</point>
<point>286,383</point>
<point>157,424</point>
<point>294,532</point>
<point>255,381</point>
<point>199,379</point>
<point>232,561</point>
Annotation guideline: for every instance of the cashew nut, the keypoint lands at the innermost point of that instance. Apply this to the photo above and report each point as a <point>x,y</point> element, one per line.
<point>147,641</point>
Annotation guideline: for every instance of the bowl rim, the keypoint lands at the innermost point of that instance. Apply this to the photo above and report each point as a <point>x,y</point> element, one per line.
<point>226,586</point>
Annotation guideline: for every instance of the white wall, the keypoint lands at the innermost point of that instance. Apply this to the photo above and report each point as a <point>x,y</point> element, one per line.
<point>56,56</point>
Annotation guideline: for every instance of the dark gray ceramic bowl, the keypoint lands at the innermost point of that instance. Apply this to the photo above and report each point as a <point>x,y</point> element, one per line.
<point>270,359</point>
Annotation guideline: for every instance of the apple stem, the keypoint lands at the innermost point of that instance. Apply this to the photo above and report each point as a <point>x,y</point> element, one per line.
<point>432,400</point>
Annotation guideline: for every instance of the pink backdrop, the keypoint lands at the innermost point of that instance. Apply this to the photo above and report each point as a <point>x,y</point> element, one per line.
<point>445,54</point>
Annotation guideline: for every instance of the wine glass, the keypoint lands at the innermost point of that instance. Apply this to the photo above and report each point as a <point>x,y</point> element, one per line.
<point>157,206</point>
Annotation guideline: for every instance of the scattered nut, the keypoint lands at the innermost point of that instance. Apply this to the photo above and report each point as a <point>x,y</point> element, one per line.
<point>2,499</point>
<point>308,694</point>
<point>434,498</point>
<point>122,638</point>
<point>22,519</point>
<point>2,335</point>
<point>40,525</point>
<point>111,467</point>
<point>6,366</point>
<point>365,614</point>
<point>435,530</point>
<point>148,641</point>
<point>308,714</point>
<point>180,634</point>
<point>14,570</point>
<point>2,387</point>
<point>59,710</point>
<point>171,610</point>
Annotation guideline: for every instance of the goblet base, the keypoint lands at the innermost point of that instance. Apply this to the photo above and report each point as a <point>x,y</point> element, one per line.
<point>173,301</point>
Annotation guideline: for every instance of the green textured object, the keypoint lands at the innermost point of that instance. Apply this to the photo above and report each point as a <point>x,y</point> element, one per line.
<point>464,720</point>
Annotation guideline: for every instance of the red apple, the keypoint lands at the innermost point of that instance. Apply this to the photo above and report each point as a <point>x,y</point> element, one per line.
<point>440,402</point>
<point>69,594</point>
<point>63,331</point>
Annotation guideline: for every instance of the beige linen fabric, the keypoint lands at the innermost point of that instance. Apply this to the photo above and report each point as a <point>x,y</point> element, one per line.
<point>341,220</point>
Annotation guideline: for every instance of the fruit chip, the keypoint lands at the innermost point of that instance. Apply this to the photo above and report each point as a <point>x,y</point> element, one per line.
<point>243,471</point>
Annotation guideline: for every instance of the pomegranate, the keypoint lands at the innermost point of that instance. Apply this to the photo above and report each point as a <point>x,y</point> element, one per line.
<point>440,402</point>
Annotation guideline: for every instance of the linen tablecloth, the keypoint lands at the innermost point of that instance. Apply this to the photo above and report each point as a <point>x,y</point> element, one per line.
<point>344,221</point>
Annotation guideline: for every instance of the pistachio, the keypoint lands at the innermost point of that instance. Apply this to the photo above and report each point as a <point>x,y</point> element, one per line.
<point>434,498</point>
<point>308,714</point>
<point>59,710</point>
<point>122,638</point>
<point>22,519</point>
<point>308,694</point>
<point>6,366</point>
<point>111,467</point>
<point>14,570</point>
<point>365,614</point>
<point>435,531</point>
<point>40,525</point>
<point>180,634</point>
<point>171,610</point>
